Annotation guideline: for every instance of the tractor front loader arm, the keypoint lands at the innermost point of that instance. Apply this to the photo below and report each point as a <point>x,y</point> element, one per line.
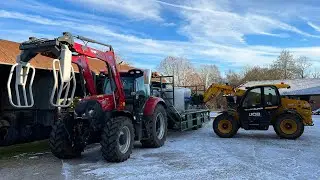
<point>63,72</point>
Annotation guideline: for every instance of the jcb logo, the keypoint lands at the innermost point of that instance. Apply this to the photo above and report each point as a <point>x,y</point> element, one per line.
<point>254,114</point>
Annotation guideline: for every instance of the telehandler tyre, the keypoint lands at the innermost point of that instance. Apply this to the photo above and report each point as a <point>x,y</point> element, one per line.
<point>289,127</point>
<point>225,126</point>
<point>117,139</point>
<point>157,127</point>
<point>60,144</point>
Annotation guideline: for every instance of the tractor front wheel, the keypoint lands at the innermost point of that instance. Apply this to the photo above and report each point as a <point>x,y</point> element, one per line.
<point>61,143</point>
<point>289,127</point>
<point>117,139</point>
<point>225,126</point>
<point>157,126</point>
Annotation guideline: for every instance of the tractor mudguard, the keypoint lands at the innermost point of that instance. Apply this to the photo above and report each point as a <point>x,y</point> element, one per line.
<point>121,113</point>
<point>151,104</point>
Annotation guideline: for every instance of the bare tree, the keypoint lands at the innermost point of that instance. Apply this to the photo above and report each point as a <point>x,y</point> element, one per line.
<point>315,73</point>
<point>257,73</point>
<point>302,66</point>
<point>285,65</point>
<point>234,79</point>
<point>181,68</point>
<point>209,74</point>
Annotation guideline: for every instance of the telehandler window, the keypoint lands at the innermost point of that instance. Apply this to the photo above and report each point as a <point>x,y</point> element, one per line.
<point>270,96</point>
<point>253,98</point>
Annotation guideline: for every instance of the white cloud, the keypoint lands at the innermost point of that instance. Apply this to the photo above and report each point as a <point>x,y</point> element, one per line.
<point>169,24</point>
<point>315,27</point>
<point>26,17</point>
<point>142,9</point>
<point>217,34</point>
<point>209,21</point>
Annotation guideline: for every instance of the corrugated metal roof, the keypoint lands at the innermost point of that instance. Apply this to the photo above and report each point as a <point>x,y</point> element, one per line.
<point>297,86</point>
<point>9,50</point>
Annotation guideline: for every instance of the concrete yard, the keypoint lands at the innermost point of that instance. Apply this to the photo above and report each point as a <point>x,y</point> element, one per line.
<point>190,155</point>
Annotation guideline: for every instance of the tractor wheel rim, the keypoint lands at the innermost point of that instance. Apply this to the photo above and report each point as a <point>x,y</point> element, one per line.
<point>288,126</point>
<point>124,139</point>
<point>3,133</point>
<point>160,126</point>
<point>225,126</point>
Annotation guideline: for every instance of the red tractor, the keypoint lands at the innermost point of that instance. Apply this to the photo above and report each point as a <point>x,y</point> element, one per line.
<point>123,113</point>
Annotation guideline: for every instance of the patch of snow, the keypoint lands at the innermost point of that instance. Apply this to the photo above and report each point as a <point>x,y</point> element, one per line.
<point>33,157</point>
<point>66,170</point>
<point>201,154</point>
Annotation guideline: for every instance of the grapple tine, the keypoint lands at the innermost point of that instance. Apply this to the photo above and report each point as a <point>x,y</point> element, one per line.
<point>64,74</point>
<point>22,73</point>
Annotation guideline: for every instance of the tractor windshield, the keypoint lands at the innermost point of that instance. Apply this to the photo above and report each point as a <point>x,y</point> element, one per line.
<point>128,85</point>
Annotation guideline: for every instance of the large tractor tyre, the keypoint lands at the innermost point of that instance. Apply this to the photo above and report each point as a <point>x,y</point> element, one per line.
<point>8,134</point>
<point>157,126</point>
<point>11,118</point>
<point>61,144</point>
<point>225,126</point>
<point>117,139</point>
<point>289,127</point>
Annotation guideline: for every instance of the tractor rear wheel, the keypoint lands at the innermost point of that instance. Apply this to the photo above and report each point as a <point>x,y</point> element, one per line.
<point>289,126</point>
<point>157,126</point>
<point>60,142</point>
<point>225,126</point>
<point>117,139</point>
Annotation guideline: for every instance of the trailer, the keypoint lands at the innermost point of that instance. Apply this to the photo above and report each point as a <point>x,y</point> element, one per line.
<point>195,113</point>
<point>20,125</point>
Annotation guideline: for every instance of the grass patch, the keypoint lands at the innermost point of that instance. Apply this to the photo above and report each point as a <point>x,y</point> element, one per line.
<point>32,147</point>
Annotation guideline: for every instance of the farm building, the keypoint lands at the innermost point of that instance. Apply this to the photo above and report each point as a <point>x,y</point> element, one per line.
<point>33,123</point>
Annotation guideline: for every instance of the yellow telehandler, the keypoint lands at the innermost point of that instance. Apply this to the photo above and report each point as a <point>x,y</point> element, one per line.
<point>258,107</point>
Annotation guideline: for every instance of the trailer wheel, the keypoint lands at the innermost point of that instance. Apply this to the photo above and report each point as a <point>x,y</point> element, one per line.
<point>157,127</point>
<point>8,134</point>
<point>289,127</point>
<point>225,126</point>
<point>117,139</point>
<point>61,144</point>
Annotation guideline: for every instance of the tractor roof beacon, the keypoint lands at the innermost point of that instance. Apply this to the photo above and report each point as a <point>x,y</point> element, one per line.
<point>121,114</point>
<point>258,107</point>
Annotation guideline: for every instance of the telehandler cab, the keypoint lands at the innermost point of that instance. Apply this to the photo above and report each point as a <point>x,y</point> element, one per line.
<point>121,114</point>
<point>258,107</point>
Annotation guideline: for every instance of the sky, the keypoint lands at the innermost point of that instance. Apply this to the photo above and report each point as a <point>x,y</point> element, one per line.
<point>229,34</point>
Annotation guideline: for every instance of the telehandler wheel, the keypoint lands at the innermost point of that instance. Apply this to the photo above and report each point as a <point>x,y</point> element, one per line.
<point>289,127</point>
<point>225,126</point>
<point>117,139</point>
<point>157,127</point>
<point>61,144</point>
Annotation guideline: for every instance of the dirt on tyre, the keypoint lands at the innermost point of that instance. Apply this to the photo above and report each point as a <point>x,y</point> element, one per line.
<point>60,142</point>
<point>157,126</point>
<point>225,126</point>
<point>289,127</point>
<point>117,139</point>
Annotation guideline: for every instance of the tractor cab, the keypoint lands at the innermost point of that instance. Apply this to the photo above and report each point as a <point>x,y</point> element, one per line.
<point>257,105</point>
<point>133,86</point>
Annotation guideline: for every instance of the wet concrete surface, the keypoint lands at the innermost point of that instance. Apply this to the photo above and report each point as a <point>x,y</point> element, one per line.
<point>198,154</point>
